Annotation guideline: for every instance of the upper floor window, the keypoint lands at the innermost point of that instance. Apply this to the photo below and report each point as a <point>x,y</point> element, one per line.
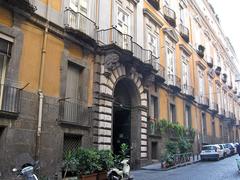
<point>154,108</point>
<point>219,98</point>
<point>123,22</point>
<point>79,6</point>
<point>210,92</point>
<point>185,70</point>
<point>173,113</point>
<point>181,10</point>
<point>201,82</point>
<point>152,36</point>
<point>188,119</point>
<point>170,56</point>
<point>152,43</point>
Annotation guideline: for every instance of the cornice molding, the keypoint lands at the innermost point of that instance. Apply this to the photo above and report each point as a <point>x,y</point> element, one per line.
<point>152,16</point>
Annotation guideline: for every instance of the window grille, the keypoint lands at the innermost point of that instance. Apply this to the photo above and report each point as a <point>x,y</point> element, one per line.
<point>71,143</point>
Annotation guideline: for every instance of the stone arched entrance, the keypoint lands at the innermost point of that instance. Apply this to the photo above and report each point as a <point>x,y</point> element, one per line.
<point>125,117</point>
<point>126,83</point>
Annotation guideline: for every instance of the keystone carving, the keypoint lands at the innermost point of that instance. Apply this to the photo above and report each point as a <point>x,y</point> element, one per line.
<point>111,61</point>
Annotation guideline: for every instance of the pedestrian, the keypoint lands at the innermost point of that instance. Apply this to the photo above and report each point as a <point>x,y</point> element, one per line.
<point>238,149</point>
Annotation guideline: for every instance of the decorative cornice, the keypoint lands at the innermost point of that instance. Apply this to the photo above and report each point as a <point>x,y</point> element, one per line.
<point>201,65</point>
<point>185,49</point>
<point>170,32</point>
<point>152,16</point>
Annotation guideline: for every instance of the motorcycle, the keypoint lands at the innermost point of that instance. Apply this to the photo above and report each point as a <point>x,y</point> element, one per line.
<point>120,174</point>
<point>27,169</point>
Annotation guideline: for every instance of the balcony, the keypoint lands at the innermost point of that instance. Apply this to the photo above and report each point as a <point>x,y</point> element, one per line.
<point>218,70</point>
<point>25,5</point>
<point>235,90</point>
<point>74,113</point>
<point>174,82</point>
<point>210,62</point>
<point>188,91</point>
<point>200,51</point>
<point>213,107</point>
<point>145,56</point>
<point>221,112</point>
<point>203,101</point>
<point>79,25</point>
<point>184,32</point>
<point>9,101</point>
<point>170,16</point>
<point>160,75</point>
<point>154,3</point>
<point>224,78</point>
<point>113,36</point>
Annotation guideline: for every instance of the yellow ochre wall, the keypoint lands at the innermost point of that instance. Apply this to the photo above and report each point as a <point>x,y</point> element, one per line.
<point>6,17</point>
<point>55,4</point>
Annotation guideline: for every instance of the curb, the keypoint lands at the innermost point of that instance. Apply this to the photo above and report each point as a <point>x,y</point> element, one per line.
<point>174,167</point>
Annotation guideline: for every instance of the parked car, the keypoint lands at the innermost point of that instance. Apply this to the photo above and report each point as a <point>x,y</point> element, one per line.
<point>232,148</point>
<point>211,152</point>
<point>235,145</point>
<point>226,151</point>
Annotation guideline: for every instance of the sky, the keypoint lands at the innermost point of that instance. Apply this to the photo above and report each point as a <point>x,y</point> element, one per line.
<point>229,14</point>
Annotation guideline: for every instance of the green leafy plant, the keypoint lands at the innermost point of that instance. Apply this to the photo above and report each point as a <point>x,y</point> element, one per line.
<point>106,159</point>
<point>88,161</point>
<point>171,147</point>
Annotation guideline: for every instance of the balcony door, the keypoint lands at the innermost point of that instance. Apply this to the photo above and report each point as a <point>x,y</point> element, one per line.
<point>123,25</point>
<point>3,69</point>
<point>72,105</point>
<point>78,16</point>
<point>170,66</point>
<point>185,74</point>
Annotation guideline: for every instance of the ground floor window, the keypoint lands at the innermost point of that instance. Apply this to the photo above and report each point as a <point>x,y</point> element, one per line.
<point>71,142</point>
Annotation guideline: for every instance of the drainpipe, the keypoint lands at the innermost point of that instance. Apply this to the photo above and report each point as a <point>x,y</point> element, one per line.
<point>40,84</point>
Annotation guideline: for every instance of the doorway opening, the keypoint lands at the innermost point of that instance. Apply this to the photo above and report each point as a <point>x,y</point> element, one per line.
<point>125,127</point>
<point>121,129</point>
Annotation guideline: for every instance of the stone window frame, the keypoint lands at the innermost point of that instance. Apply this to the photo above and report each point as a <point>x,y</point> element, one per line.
<point>184,115</point>
<point>14,62</point>
<point>63,75</point>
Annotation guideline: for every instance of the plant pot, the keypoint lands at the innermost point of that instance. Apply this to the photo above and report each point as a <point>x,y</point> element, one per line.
<point>102,175</point>
<point>89,177</point>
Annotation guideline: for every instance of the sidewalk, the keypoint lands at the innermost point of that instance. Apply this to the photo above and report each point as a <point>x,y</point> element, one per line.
<point>157,166</point>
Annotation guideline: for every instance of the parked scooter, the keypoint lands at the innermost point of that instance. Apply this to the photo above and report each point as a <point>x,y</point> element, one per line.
<point>27,169</point>
<point>120,174</point>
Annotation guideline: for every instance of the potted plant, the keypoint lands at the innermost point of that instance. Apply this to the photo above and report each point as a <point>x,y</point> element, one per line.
<point>70,165</point>
<point>87,164</point>
<point>106,162</point>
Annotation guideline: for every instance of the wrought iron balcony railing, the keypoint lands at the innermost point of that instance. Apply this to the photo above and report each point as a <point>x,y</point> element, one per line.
<point>213,107</point>
<point>184,32</point>
<point>154,3</point>
<point>142,54</point>
<point>160,72</point>
<point>9,99</point>
<point>74,112</point>
<point>221,112</point>
<point>170,16</point>
<point>188,91</point>
<point>203,100</point>
<point>26,5</point>
<point>218,70</point>
<point>114,36</point>
<point>174,82</point>
<point>79,23</point>
<point>200,51</point>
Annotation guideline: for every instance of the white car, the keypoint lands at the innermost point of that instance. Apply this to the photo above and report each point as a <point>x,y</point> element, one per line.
<point>211,152</point>
<point>226,150</point>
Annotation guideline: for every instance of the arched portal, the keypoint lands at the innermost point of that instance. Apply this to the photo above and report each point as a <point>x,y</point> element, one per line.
<point>125,117</point>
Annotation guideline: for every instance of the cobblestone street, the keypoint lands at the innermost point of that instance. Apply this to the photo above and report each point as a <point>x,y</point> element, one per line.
<point>225,169</point>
